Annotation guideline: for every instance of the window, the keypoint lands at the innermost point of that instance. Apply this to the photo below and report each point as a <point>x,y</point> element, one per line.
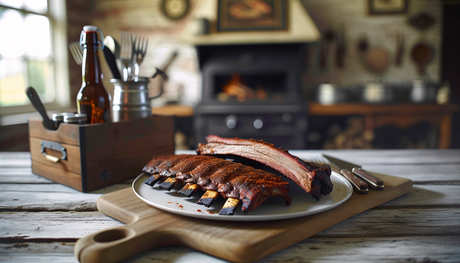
<point>31,54</point>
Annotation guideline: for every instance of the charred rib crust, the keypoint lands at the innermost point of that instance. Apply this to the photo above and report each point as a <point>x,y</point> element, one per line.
<point>188,190</point>
<point>168,184</point>
<point>152,179</point>
<point>230,179</point>
<point>205,201</point>
<point>314,178</point>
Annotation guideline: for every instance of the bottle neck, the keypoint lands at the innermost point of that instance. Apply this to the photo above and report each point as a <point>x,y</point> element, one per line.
<point>91,66</point>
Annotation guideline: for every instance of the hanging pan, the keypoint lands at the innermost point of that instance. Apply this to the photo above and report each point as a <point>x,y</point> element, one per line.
<point>422,54</point>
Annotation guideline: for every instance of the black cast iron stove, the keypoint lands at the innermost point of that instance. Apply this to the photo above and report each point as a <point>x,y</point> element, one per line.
<point>252,91</point>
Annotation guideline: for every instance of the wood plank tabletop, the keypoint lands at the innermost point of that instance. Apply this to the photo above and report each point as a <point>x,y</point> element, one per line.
<point>40,220</point>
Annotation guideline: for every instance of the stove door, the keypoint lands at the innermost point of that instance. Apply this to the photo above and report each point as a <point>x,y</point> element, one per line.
<point>283,129</point>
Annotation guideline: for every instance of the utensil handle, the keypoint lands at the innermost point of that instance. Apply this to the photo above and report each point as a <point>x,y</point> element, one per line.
<point>120,243</point>
<point>111,61</point>
<point>358,184</point>
<point>37,103</point>
<point>373,181</point>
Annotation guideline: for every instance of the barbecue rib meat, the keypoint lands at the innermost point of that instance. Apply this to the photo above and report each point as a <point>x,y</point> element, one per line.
<point>252,186</point>
<point>314,178</point>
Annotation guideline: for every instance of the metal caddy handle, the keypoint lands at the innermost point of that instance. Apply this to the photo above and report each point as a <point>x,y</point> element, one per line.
<point>53,146</point>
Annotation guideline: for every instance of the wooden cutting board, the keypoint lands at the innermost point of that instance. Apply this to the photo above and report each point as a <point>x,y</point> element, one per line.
<point>148,227</point>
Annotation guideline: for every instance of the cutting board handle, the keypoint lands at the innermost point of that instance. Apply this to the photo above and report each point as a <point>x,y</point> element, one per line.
<point>119,243</point>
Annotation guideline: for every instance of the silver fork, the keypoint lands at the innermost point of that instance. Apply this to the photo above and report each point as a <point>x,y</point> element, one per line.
<point>76,51</point>
<point>126,54</point>
<point>139,50</point>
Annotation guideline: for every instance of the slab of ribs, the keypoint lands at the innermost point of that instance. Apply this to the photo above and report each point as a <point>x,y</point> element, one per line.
<point>313,177</point>
<point>212,172</point>
<point>231,180</point>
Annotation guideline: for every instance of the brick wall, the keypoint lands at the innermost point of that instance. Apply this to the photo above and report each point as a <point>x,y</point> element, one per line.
<point>380,31</point>
<point>79,14</point>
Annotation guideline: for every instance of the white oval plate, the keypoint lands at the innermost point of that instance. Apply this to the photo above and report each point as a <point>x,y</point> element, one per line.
<point>273,209</point>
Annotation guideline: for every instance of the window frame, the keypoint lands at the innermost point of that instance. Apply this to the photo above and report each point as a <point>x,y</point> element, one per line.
<point>56,14</point>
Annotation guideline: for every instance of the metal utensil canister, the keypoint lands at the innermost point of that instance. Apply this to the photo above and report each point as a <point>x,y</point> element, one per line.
<point>131,99</point>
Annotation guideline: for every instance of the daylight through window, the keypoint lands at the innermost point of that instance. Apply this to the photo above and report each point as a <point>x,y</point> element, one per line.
<point>26,57</point>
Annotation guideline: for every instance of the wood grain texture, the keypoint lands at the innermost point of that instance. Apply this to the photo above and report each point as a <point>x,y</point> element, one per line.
<point>319,250</point>
<point>59,175</point>
<point>47,225</point>
<point>39,197</point>
<point>40,220</point>
<point>243,241</point>
<point>66,133</point>
<point>71,164</point>
<point>101,154</point>
<point>381,109</point>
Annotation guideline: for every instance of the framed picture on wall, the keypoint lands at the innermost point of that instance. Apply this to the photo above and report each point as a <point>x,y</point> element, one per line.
<point>385,7</point>
<point>251,15</point>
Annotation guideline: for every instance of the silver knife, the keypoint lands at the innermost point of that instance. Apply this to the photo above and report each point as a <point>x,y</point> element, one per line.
<point>373,181</point>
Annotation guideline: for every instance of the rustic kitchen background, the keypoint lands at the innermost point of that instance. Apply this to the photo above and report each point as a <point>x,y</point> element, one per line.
<point>350,23</point>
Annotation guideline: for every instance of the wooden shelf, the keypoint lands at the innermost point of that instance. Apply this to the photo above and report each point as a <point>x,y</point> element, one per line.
<point>174,109</point>
<point>365,108</point>
<point>400,115</point>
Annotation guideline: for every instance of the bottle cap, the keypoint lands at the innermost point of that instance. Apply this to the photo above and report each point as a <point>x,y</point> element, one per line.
<point>90,28</point>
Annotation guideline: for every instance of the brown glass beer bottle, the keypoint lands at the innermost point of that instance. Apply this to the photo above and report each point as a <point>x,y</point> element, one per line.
<point>92,99</point>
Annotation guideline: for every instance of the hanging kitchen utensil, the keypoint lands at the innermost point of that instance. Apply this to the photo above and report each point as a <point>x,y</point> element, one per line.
<point>422,21</point>
<point>399,48</point>
<point>322,54</point>
<point>422,54</point>
<point>363,43</point>
<point>340,48</point>
<point>376,59</point>
<point>328,38</point>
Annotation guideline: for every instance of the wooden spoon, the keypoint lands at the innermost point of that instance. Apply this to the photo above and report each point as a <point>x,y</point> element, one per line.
<point>422,54</point>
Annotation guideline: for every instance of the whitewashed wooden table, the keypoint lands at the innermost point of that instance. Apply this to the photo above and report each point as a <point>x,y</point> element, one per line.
<point>40,221</point>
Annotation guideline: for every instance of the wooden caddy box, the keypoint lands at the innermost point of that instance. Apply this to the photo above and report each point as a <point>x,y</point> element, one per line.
<point>88,157</point>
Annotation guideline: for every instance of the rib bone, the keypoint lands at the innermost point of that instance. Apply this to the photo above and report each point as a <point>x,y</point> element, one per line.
<point>229,206</point>
<point>189,189</point>
<point>169,183</point>
<point>152,180</point>
<point>208,198</point>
